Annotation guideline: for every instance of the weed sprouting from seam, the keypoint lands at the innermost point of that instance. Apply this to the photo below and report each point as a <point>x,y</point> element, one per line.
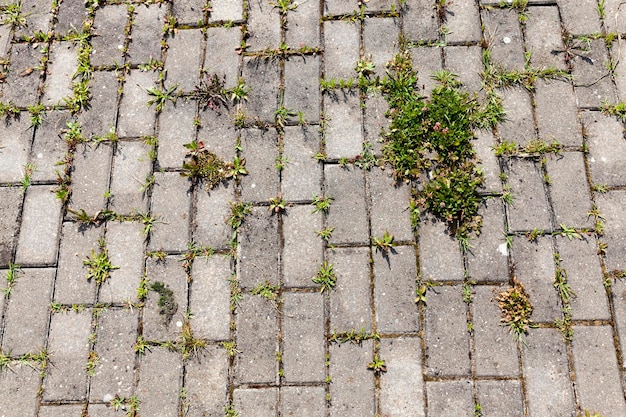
<point>203,165</point>
<point>516,309</point>
<point>99,265</point>
<point>11,277</point>
<point>325,277</point>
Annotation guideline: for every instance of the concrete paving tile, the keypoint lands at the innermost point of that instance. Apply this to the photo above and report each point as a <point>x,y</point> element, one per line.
<point>184,51</point>
<point>61,411</point>
<point>306,401</point>
<point>495,348</point>
<point>467,63</point>
<point>500,398</point>
<point>605,137</point>
<point>159,383</point>
<point>557,115</point>
<point>301,177</point>
<point>258,249</point>
<point>171,199</point>
<point>169,272</point>
<point>546,374</point>
<point>70,17</point>
<point>390,206</point>
<point>212,211</point>
<point>68,345</point>
<point>427,61</point>
<point>206,382</point>
<point>114,373</point>
<point>463,21</point>
<point>618,296</point>
<point>614,16</point>
<point>303,250</point>
<point>101,410</point>
<point>544,37</point>
<point>263,26</point>
<point>335,7</point>
<point>22,82</point>
<point>226,10</point>
<point>529,209</point>
<point>343,138</point>
<point>380,37</point>
<point>439,253</point>
<point>303,337</point>
<point>449,398</point>
<point>341,49</point>
<point>41,224</point>
<point>263,98</point>
<point>136,118</point>
<point>593,86</point>
<point>10,207</point>
<point>352,388</point>
<point>394,290</point>
<point>303,26</point>
<point>302,92</point>
<point>16,138</point>
<point>26,316</point>
<point>257,341</point>
<point>402,386</point>
<point>350,301</point>
<point>18,388</point>
<point>217,132</point>
<point>619,49</point>
<point>5,39</point>
<point>146,33</point>
<point>47,148</point>
<point>598,386</point>
<point>176,128</point>
<point>504,36</point>
<point>611,206</point>
<point>100,117</point>
<point>61,67</point>
<point>189,11</point>
<point>347,213</point>
<point>375,121</point>
<point>580,18</point>
<point>420,21</point>
<point>447,337</point>
<point>37,14</point>
<point>518,125</point>
<point>256,402</point>
<point>221,56</point>
<point>131,167</point>
<point>90,177</point>
<point>109,28</point>
<point>209,297</point>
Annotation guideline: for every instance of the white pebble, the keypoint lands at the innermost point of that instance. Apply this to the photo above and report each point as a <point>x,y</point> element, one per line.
<point>506,39</point>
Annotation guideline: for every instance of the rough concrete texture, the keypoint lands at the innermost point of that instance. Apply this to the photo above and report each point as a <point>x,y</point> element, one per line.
<point>125,284</point>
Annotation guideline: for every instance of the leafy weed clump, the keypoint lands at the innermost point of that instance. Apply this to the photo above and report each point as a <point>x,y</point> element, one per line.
<point>516,309</point>
<point>203,165</point>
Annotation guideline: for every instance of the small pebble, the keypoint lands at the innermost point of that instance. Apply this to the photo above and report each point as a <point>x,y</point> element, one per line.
<point>506,39</point>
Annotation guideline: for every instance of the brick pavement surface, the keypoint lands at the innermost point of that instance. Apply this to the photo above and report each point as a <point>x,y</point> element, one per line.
<point>204,312</point>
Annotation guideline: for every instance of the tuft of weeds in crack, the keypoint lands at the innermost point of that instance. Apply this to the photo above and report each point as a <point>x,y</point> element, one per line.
<point>516,309</point>
<point>618,110</point>
<point>13,16</point>
<point>210,93</point>
<point>11,277</point>
<point>267,291</point>
<point>383,243</point>
<point>188,344</point>
<point>161,96</point>
<point>321,204</point>
<point>325,277</point>
<point>99,265</point>
<point>352,336</point>
<point>130,405</point>
<point>203,165</point>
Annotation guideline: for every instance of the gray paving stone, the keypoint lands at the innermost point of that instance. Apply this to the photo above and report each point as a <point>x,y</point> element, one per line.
<point>611,205</point>
<point>301,177</point>
<point>212,211</point>
<point>256,402</point>
<point>495,348</point>
<point>136,118</point>
<point>176,128</point>
<point>258,249</point>
<point>226,10</point>
<point>350,301</point>
<point>16,137</point>
<point>618,296</point>
<point>101,410</point>
<point>158,326</point>
<point>303,337</point>
<point>598,386</point>
<point>569,189</point>
<point>159,383</point>
<point>189,11</point>
<point>487,257</point>
<point>68,345</point>
<point>375,121</point>
<point>18,388</point>
<point>26,316</point>
<point>463,20</point>
<point>504,36</point>
<point>263,77</point>
<point>380,37</point>
<point>581,17</point>
<point>593,86</point>
<point>47,148</point>
<point>125,243</point>
<point>131,166</point>
<point>22,81</point>
<point>171,202</point>
<point>341,49</point>
<point>449,398</point>
<point>302,92</point>
<point>534,268</point>
<point>352,388</point>
<point>209,297</point>
<point>580,260</point>
<point>467,63</point>
<point>115,371</point>
<point>109,28</point>
<point>394,290</point>
<point>61,67</point>
<point>146,33</point>
<point>71,17</point>
<point>402,386</point>
<point>100,117</point>
<point>343,136</point>
<point>308,401</point>
<point>347,212</point>
<point>557,117</point>
<point>619,75</point>
<point>439,253</point>
<point>61,410</point>
<point>218,133</point>
<point>390,206</point>
<point>263,26</point>
<point>90,177</point>
<point>41,223</point>
<point>303,249</point>
<point>426,61</point>
<point>546,374</point>
<point>183,63</point>
<point>606,143</point>
<point>543,37</point>
<point>303,25</point>
<point>335,7</point>
<point>10,207</point>
<point>221,57</point>
<point>420,21</point>
<point>518,125</point>
<point>530,208</point>
<point>500,398</point>
<point>37,14</point>
<point>614,22</point>
<point>447,337</point>
<point>260,149</point>
<point>5,39</point>
<point>206,382</point>
<point>71,285</point>
<point>257,341</point>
